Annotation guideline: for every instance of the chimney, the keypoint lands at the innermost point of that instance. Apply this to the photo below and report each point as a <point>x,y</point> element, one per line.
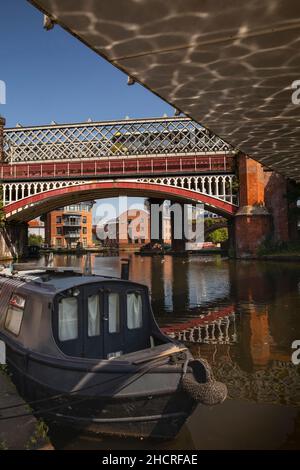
<point>2,124</point>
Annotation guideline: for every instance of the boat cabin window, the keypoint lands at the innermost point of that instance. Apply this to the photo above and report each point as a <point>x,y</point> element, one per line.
<point>93,315</point>
<point>113,313</point>
<point>14,314</point>
<point>134,310</point>
<point>68,318</point>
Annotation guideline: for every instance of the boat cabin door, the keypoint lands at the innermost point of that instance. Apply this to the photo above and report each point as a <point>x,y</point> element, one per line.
<point>116,321</point>
<point>103,321</point>
<point>79,322</point>
<point>93,321</point>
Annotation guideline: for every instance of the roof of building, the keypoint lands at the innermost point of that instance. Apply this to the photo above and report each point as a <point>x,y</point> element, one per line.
<point>36,224</point>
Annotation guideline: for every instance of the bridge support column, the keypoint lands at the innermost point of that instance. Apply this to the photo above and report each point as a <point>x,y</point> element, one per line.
<point>276,189</point>
<point>13,240</point>
<point>177,233</point>
<point>230,245</point>
<point>156,220</point>
<point>253,220</point>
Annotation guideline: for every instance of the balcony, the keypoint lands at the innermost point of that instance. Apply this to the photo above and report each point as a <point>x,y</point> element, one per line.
<point>71,223</point>
<point>72,235</point>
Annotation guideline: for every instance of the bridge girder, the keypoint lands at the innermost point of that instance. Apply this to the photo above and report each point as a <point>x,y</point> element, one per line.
<point>32,206</point>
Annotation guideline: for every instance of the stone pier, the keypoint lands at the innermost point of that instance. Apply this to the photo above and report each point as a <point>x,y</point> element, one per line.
<point>253,220</point>
<point>13,240</point>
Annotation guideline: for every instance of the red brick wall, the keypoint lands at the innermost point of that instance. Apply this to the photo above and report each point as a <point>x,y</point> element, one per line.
<point>250,233</point>
<point>276,203</point>
<point>251,179</point>
<point>51,226</point>
<point>252,222</point>
<point>259,188</point>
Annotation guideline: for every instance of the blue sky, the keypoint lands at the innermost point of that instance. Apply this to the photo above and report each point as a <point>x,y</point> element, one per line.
<point>51,76</point>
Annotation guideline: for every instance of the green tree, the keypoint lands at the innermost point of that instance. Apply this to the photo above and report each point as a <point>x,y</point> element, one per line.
<point>34,239</point>
<point>218,236</point>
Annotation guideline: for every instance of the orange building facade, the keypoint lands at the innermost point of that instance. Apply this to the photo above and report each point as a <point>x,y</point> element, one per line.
<point>70,227</point>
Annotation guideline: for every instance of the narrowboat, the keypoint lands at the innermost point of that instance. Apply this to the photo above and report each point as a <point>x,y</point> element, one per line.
<point>85,351</point>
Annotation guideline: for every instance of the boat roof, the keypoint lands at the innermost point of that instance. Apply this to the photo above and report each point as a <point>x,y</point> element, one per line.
<point>57,279</point>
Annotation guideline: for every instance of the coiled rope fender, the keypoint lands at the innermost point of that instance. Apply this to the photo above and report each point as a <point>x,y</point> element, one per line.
<point>201,385</point>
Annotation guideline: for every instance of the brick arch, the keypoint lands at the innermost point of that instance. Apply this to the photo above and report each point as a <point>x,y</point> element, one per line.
<point>42,202</point>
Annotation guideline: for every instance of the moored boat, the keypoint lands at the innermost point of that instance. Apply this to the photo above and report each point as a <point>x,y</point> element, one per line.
<point>85,350</point>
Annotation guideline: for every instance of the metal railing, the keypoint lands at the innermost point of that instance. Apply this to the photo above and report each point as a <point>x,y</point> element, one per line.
<point>93,140</point>
<point>72,235</point>
<point>119,166</point>
<point>71,224</point>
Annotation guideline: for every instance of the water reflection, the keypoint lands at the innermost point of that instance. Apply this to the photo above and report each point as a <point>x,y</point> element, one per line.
<point>241,316</point>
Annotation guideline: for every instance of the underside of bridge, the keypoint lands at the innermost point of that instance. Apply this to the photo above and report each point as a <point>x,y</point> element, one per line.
<point>229,65</point>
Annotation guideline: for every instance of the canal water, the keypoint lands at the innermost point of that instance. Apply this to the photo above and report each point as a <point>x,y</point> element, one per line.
<point>240,315</point>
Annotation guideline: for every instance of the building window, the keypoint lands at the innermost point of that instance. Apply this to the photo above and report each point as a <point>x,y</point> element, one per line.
<point>58,220</point>
<point>58,242</point>
<point>14,314</point>
<point>134,311</point>
<point>68,319</point>
<point>84,242</point>
<point>93,315</point>
<point>113,313</point>
<point>58,230</point>
<point>84,230</point>
<point>84,220</point>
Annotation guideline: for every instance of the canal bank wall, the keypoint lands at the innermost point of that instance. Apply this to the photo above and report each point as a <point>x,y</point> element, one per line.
<point>5,250</point>
<point>24,432</point>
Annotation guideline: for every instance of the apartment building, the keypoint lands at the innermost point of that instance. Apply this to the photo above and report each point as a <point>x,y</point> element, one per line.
<point>70,227</point>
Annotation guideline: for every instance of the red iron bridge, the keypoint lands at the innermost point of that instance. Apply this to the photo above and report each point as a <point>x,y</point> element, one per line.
<point>46,167</point>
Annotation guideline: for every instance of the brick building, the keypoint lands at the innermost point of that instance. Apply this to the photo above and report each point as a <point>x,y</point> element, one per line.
<point>36,227</point>
<point>70,227</point>
<point>131,230</point>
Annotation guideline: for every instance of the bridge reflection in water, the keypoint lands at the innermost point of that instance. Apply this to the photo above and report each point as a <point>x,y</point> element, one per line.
<point>242,317</point>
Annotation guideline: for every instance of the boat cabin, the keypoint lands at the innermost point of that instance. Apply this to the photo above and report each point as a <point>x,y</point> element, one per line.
<point>65,313</point>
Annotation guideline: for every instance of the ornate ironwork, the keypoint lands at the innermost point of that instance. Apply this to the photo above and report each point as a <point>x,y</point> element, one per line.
<point>218,186</point>
<point>93,140</point>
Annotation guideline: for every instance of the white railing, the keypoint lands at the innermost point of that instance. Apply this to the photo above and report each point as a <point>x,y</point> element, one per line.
<point>218,186</point>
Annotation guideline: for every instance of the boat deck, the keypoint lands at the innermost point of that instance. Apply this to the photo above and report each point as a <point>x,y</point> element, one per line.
<point>149,354</point>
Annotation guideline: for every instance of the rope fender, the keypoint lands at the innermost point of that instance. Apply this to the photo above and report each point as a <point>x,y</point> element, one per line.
<point>201,385</point>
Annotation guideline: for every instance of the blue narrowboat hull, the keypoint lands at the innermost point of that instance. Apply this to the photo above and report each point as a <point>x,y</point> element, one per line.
<point>153,405</point>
